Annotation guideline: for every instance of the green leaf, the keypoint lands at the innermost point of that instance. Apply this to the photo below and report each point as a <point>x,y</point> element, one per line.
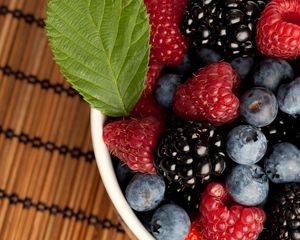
<point>102,47</point>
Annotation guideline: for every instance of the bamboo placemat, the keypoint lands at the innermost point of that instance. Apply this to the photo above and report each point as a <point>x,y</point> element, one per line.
<point>50,187</point>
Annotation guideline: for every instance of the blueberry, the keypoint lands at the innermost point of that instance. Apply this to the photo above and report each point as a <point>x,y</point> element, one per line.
<point>248,185</point>
<point>283,163</point>
<point>269,73</point>
<point>246,144</point>
<point>258,107</point>
<point>170,222</point>
<point>207,56</point>
<point>166,89</point>
<point>186,66</point>
<point>289,97</point>
<point>145,192</point>
<point>242,65</point>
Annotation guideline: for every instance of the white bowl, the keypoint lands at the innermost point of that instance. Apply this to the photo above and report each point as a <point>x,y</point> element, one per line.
<point>110,180</point>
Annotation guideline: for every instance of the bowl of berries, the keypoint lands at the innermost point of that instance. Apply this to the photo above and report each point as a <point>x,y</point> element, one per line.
<point>195,111</point>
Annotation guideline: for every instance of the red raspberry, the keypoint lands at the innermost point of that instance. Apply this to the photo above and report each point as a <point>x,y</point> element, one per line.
<point>181,4</point>
<point>194,233</point>
<point>168,45</point>
<point>133,141</point>
<point>208,95</point>
<point>278,29</point>
<point>152,76</point>
<point>217,221</point>
<point>177,5</point>
<point>148,106</point>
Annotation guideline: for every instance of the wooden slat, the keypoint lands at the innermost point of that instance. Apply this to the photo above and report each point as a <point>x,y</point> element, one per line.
<point>47,177</point>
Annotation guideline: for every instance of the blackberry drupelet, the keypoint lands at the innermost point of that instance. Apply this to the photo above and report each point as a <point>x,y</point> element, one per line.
<point>285,128</point>
<point>225,25</point>
<point>283,214</point>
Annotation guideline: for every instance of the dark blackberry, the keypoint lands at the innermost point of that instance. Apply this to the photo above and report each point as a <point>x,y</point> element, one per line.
<point>188,155</point>
<point>186,197</point>
<point>283,214</point>
<point>227,26</point>
<point>285,128</point>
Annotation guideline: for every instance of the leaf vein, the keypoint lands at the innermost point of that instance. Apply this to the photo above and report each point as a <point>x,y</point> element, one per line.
<point>124,61</point>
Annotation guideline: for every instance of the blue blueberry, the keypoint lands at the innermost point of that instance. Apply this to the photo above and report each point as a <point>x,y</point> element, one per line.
<point>248,185</point>
<point>166,89</point>
<point>242,65</point>
<point>269,73</point>
<point>283,163</point>
<point>246,144</point>
<point>207,56</point>
<point>186,66</point>
<point>170,222</point>
<point>258,107</point>
<point>289,97</point>
<point>145,192</point>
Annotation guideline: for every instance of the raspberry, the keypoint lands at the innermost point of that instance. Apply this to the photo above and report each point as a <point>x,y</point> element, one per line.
<point>178,6</point>
<point>148,106</point>
<point>195,232</point>
<point>208,95</point>
<point>217,221</point>
<point>278,30</point>
<point>152,76</point>
<point>133,141</point>
<point>168,44</point>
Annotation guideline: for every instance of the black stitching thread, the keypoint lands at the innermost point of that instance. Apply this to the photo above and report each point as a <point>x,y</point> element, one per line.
<point>66,212</point>
<point>44,84</point>
<point>36,142</point>
<point>19,14</point>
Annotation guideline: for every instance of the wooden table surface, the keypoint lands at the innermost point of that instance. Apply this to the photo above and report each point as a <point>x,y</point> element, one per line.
<point>50,187</point>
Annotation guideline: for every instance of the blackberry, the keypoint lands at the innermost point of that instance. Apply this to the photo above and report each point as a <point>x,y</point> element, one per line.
<point>227,26</point>
<point>189,155</point>
<point>188,198</point>
<point>285,128</point>
<point>283,214</point>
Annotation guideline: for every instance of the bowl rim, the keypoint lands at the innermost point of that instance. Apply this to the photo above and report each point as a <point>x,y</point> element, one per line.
<point>109,178</point>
